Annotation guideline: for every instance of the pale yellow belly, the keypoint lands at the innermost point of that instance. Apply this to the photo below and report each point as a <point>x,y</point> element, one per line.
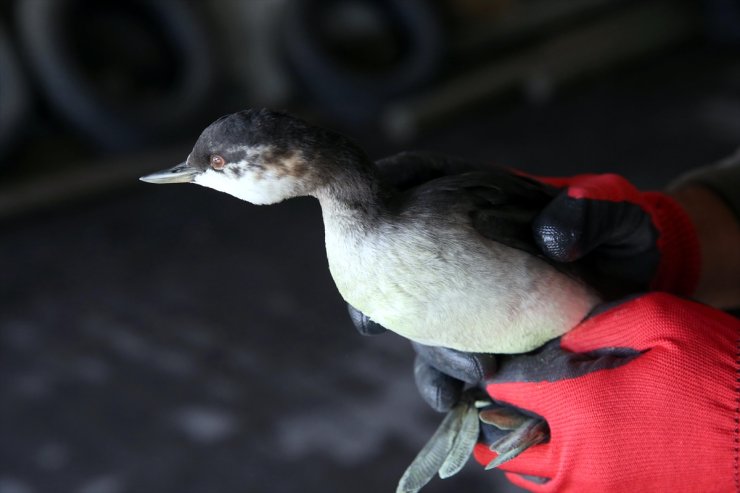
<point>498,300</point>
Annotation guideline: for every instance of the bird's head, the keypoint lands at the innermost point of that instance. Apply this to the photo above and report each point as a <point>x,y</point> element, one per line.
<point>260,156</point>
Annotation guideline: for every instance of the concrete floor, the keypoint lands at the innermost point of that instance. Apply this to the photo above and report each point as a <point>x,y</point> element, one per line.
<point>173,339</point>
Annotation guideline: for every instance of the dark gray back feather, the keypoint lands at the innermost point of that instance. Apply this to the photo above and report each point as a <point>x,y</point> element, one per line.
<point>500,204</point>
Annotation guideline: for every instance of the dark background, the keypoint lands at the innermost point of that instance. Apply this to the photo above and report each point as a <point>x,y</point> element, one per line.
<point>173,339</point>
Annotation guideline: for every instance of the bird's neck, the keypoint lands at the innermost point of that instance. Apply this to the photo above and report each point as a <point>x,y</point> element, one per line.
<point>353,196</point>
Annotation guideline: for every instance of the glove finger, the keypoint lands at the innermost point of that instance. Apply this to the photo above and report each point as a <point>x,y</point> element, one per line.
<point>568,229</point>
<point>559,229</point>
<point>471,368</point>
<point>438,389</point>
<point>578,222</point>
<point>362,322</point>
<point>553,363</point>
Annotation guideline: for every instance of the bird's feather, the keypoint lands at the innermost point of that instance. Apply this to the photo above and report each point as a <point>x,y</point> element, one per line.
<point>410,169</point>
<point>499,205</point>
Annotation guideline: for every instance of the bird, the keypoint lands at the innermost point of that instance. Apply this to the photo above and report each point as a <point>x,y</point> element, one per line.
<point>451,262</point>
<point>444,259</point>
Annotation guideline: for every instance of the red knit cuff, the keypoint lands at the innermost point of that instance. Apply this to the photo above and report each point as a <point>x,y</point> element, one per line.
<point>678,243</point>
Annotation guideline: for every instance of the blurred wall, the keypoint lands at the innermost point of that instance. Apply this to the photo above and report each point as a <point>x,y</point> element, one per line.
<point>172,339</point>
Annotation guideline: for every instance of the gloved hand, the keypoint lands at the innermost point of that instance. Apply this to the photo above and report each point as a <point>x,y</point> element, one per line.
<point>644,240</point>
<point>641,397</point>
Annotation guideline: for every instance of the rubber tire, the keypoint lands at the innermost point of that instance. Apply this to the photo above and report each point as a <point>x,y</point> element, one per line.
<point>14,97</point>
<point>349,95</point>
<point>71,93</point>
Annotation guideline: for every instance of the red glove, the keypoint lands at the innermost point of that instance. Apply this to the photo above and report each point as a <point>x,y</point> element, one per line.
<point>644,239</point>
<point>642,397</point>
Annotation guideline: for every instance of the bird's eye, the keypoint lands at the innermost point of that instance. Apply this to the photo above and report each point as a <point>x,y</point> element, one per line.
<point>217,162</point>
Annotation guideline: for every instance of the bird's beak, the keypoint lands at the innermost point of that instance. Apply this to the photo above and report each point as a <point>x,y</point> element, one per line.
<point>182,173</point>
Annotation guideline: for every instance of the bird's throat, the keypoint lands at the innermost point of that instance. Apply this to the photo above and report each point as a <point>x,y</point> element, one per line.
<point>353,198</point>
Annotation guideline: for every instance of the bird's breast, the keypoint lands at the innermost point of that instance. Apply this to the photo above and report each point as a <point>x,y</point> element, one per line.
<point>444,289</point>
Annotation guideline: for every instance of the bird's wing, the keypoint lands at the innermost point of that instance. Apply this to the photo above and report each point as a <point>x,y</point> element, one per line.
<point>410,169</point>
<point>499,204</point>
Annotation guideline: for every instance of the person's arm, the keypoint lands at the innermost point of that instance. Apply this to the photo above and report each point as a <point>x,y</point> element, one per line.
<point>719,236</point>
<point>711,197</point>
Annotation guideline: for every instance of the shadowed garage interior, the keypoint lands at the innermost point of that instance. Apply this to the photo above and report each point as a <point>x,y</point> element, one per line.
<point>173,339</point>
